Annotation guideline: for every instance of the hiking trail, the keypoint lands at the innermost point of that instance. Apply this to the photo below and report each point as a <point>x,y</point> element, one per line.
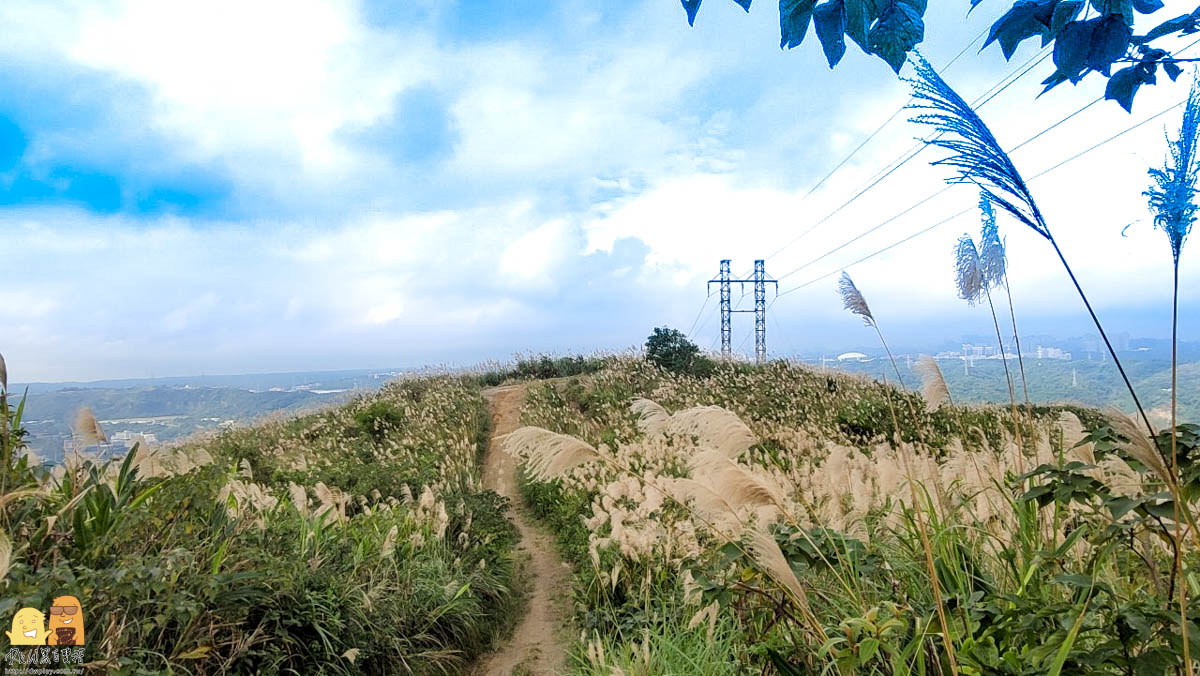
<point>537,645</point>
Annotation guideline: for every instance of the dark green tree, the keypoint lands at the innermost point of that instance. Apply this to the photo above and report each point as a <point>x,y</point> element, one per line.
<point>670,349</point>
<point>1097,38</point>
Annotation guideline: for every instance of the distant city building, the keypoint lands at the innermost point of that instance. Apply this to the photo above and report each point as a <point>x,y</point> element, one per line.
<point>1052,353</point>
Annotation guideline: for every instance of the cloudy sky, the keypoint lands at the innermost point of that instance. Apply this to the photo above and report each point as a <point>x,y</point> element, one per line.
<point>227,187</point>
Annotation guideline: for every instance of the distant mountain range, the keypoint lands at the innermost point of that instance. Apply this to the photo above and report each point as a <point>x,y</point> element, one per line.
<point>172,408</point>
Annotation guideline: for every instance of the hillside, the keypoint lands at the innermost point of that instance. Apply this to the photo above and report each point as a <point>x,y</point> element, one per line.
<point>354,540</point>
<point>723,519</point>
<point>1090,383</point>
<point>767,519</point>
<point>170,413</point>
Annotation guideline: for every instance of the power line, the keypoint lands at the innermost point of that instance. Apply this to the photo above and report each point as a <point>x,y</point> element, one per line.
<point>964,211</point>
<point>883,124</point>
<point>704,305</point>
<point>994,91</point>
<point>942,191</point>
<point>876,253</point>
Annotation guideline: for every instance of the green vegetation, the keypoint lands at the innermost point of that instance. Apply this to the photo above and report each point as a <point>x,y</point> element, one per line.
<point>802,543</point>
<point>1084,43</point>
<point>1087,383</point>
<point>541,367</point>
<point>670,349</point>
<point>355,540</point>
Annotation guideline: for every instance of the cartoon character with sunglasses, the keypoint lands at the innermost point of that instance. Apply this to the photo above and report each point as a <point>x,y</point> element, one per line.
<point>66,622</point>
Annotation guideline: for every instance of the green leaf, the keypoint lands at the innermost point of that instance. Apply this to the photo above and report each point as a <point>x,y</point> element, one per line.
<point>1065,649</point>
<point>1122,8</point>
<point>860,14</point>
<point>1119,506</point>
<point>794,17</point>
<point>829,19</point>
<point>1185,22</point>
<point>1071,49</point>
<point>1163,510</point>
<point>745,4</point>
<point>1026,19</point>
<point>1110,40</point>
<point>900,29</point>
<point>1147,6</point>
<point>1172,69</point>
<point>1122,87</point>
<point>1064,13</point>
<point>867,650</point>
<point>781,664</point>
<point>691,7</point>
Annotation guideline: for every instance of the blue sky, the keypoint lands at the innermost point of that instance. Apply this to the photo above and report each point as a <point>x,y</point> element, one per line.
<point>250,187</point>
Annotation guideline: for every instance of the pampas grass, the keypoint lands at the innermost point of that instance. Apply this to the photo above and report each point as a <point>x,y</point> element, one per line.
<point>973,280</point>
<point>852,299</point>
<point>1172,199</point>
<point>87,428</point>
<point>933,383</point>
<point>738,487</point>
<point>968,278</point>
<point>994,263</point>
<point>549,454</point>
<point>3,374</point>
<point>977,156</point>
<point>714,428</point>
<point>651,417</point>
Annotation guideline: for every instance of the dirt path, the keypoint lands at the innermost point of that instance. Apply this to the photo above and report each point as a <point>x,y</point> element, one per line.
<point>537,646</point>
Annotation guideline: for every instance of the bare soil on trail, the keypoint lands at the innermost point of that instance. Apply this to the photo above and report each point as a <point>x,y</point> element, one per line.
<point>537,645</point>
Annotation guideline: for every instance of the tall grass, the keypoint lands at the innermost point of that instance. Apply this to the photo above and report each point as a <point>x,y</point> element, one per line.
<point>670,525</point>
<point>854,301</point>
<point>979,159</point>
<point>354,540</point>
<point>1172,200</point>
<point>973,281</point>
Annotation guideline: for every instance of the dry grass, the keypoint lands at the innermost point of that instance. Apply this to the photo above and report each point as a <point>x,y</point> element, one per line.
<point>933,383</point>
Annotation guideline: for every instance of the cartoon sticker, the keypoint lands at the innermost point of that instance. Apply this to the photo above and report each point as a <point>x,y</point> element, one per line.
<point>28,628</point>
<point>66,622</point>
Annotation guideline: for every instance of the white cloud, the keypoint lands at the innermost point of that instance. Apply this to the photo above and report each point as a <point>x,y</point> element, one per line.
<point>531,258</point>
<point>574,148</point>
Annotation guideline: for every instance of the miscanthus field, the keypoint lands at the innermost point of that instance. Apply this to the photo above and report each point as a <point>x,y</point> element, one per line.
<point>777,518</point>
<point>721,518</point>
<point>357,540</point>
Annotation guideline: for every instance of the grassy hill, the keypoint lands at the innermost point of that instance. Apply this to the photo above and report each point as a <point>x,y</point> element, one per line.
<point>754,519</point>
<point>355,540</point>
<point>1089,383</point>
<point>724,519</point>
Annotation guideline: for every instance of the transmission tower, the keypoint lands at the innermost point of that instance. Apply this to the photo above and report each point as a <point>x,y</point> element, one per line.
<point>760,282</point>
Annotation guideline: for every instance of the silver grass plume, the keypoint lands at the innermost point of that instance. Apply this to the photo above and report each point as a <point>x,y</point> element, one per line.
<point>550,454</point>
<point>853,300</point>
<point>974,151</point>
<point>713,428</point>
<point>993,262</point>
<point>1172,195</point>
<point>933,383</point>
<point>3,374</point>
<point>651,417</point>
<point>1140,446</point>
<point>87,428</point>
<point>968,274</point>
<point>736,486</point>
<point>770,559</point>
<point>979,159</point>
